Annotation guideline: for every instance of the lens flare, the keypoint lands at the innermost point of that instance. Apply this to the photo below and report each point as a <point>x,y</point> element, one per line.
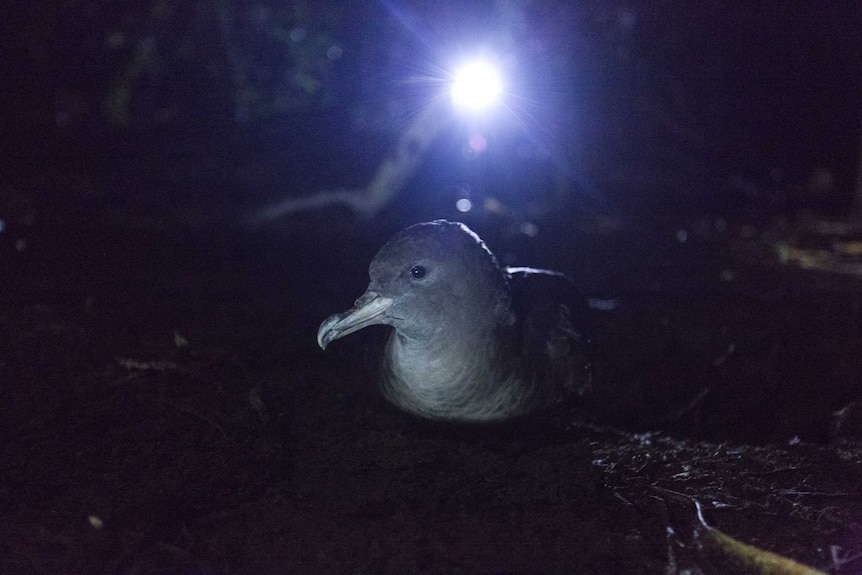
<point>464,205</point>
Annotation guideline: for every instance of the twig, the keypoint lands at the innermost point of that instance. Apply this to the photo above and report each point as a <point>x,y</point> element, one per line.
<point>389,179</point>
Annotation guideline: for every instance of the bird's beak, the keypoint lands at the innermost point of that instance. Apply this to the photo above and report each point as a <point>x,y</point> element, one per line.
<point>368,310</point>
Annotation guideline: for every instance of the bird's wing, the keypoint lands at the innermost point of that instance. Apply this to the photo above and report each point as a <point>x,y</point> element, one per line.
<point>553,327</point>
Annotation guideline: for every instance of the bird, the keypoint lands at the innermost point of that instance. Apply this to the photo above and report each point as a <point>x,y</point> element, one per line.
<point>472,342</point>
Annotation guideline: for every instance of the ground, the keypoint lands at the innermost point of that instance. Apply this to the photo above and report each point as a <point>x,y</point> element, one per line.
<point>164,409</point>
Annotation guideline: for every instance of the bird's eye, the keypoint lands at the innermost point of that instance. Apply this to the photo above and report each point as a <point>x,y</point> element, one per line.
<point>417,272</point>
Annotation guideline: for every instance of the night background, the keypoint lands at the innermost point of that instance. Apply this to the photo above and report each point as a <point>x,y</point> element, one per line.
<point>188,189</point>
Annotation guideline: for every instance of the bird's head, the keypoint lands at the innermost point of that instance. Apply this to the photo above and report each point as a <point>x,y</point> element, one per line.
<point>428,278</point>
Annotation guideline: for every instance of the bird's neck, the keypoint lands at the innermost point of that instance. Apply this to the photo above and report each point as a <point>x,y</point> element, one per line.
<point>461,374</point>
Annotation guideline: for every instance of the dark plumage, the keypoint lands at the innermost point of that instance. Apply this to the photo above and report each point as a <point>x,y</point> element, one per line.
<point>471,342</point>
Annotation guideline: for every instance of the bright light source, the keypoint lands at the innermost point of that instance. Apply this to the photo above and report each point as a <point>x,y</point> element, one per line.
<point>476,86</point>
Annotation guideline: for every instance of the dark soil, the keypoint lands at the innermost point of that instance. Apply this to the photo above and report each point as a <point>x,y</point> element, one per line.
<point>164,408</point>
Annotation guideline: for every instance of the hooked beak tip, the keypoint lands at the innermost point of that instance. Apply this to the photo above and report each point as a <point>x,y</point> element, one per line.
<point>370,309</point>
